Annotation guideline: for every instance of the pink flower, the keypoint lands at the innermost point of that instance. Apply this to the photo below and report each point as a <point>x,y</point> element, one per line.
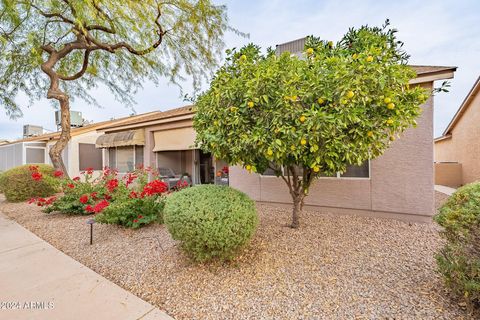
<point>37,176</point>
<point>84,199</point>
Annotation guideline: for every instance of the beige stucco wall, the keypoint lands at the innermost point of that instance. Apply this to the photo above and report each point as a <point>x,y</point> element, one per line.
<point>464,145</point>
<point>448,174</point>
<point>400,183</point>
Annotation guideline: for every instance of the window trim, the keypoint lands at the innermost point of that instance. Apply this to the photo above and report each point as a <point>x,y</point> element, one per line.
<point>337,177</point>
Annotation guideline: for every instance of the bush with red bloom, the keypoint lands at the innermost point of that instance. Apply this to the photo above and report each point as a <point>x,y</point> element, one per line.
<point>76,179</point>
<point>94,195</point>
<point>58,174</point>
<point>70,186</point>
<point>129,178</point>
<point>37,176</point>
<point>100,206</point>
<point>84,199</point>
<point>140,216</point>
<point>33,168</point>
<point>135,221</point>
<point>154,187</point>
<point>133,195</point>
<point>89,209</point>
<point>112,185</point>
<point>42,202</point>
<point>89,171</point>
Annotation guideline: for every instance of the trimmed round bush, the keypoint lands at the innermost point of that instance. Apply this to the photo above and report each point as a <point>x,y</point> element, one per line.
<point>459,260</point>
<point>18,185</point>
<point>212,222</point>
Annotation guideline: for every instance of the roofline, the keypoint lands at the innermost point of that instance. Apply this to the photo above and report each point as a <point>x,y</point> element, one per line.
<point>463,107</point>
<point>172,118</point>
<point>434,76</point>
<point>442,138</point>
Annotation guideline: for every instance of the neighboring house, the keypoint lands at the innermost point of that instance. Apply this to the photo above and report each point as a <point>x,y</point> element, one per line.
<point>79,154</point>
<point>457,151</point>
<point>2,142</point>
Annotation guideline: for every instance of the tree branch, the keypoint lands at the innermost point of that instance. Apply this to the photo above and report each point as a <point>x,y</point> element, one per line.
<point>81,72</point>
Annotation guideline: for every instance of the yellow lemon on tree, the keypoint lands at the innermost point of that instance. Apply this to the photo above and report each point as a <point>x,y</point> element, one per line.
<point>344,101</point>
<point>243,57</point>
<point>391,105</point>
<point>330,44</point>
<point>387,100</point>
<point>250,104</point>
<point>232,109</point>
<point>269,152</point>
<point>320,101</point>
<point>248,167</point>
<point>369,59</point>
<point>350,94</point>
<point>370,133</point>
<point>310,51</point>
<point>316,169</point>
<point>392,138</point>
<point>355,56</point>
<point>389,121</point>
<point>294,98</point>
<point>302,119</point>
<point>292,148</point>
<point>303,142</point>
<point>215,123</point>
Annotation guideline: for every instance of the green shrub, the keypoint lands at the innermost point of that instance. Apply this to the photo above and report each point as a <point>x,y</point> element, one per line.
<point>459,260</point>
<point>18,183</point>
<point>210,221</point>
<point>1,181</point>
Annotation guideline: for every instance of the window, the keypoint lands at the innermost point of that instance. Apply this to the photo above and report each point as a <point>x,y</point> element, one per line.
<point>361,171</point>
<point>125,159</point>
<point>89,157</point>
<point>138,156</point>
<point>353,171</point>
<point>35,155</point>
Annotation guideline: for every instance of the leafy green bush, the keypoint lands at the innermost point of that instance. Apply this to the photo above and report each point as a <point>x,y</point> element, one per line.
<point>210,221</point>
<point>459,260</point>
<point>1,181</point>
<point>24,182</point>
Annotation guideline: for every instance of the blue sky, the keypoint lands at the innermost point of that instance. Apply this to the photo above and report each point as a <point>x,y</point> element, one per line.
<point>434,32</point>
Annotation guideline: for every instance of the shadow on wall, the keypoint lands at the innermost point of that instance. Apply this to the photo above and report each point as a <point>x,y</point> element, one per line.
<point>448,174</point>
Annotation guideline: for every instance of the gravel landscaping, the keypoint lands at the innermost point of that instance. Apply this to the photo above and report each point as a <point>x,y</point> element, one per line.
<point>333,267</point>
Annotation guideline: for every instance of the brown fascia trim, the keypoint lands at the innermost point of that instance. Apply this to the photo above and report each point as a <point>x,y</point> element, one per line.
<point>173,118</point>
<point>434,76</point>
<point>463,107</point>
<point>442,138</point>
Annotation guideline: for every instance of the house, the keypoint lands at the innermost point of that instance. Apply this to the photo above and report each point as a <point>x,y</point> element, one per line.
<point>457,151</point>
<point>79,154</point>
<point>164,141</point>
<point>399,184</point>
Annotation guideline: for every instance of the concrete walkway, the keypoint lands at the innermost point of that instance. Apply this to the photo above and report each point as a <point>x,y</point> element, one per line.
<point>37,281</point>
<point>444,189</point>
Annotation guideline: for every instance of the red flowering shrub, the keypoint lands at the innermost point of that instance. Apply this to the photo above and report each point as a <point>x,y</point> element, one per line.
<point>37,176</point>
<point>131,201</point>
<point>58,174</point>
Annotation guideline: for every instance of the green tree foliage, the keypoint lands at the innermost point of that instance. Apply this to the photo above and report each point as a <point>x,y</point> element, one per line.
<point>64,48</point>
<point>339,104</point>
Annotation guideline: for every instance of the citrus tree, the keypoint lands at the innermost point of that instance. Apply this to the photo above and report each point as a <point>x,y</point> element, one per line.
<point>64,48</point>
<point>339,104</point>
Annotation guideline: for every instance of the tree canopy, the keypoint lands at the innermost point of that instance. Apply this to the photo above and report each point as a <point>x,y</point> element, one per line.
<point>339,104</point>
<point>120,44</point>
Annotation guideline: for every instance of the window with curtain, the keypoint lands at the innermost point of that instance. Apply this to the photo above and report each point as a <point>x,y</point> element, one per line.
<point>125,159</point>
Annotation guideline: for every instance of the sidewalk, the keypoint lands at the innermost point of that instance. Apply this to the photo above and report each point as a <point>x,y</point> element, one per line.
<point>41,282</point>
<point>444,189</point>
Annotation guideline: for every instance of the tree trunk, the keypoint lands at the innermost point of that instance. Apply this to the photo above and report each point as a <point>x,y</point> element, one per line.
<point>59,146</point>
<point>297,210</point>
